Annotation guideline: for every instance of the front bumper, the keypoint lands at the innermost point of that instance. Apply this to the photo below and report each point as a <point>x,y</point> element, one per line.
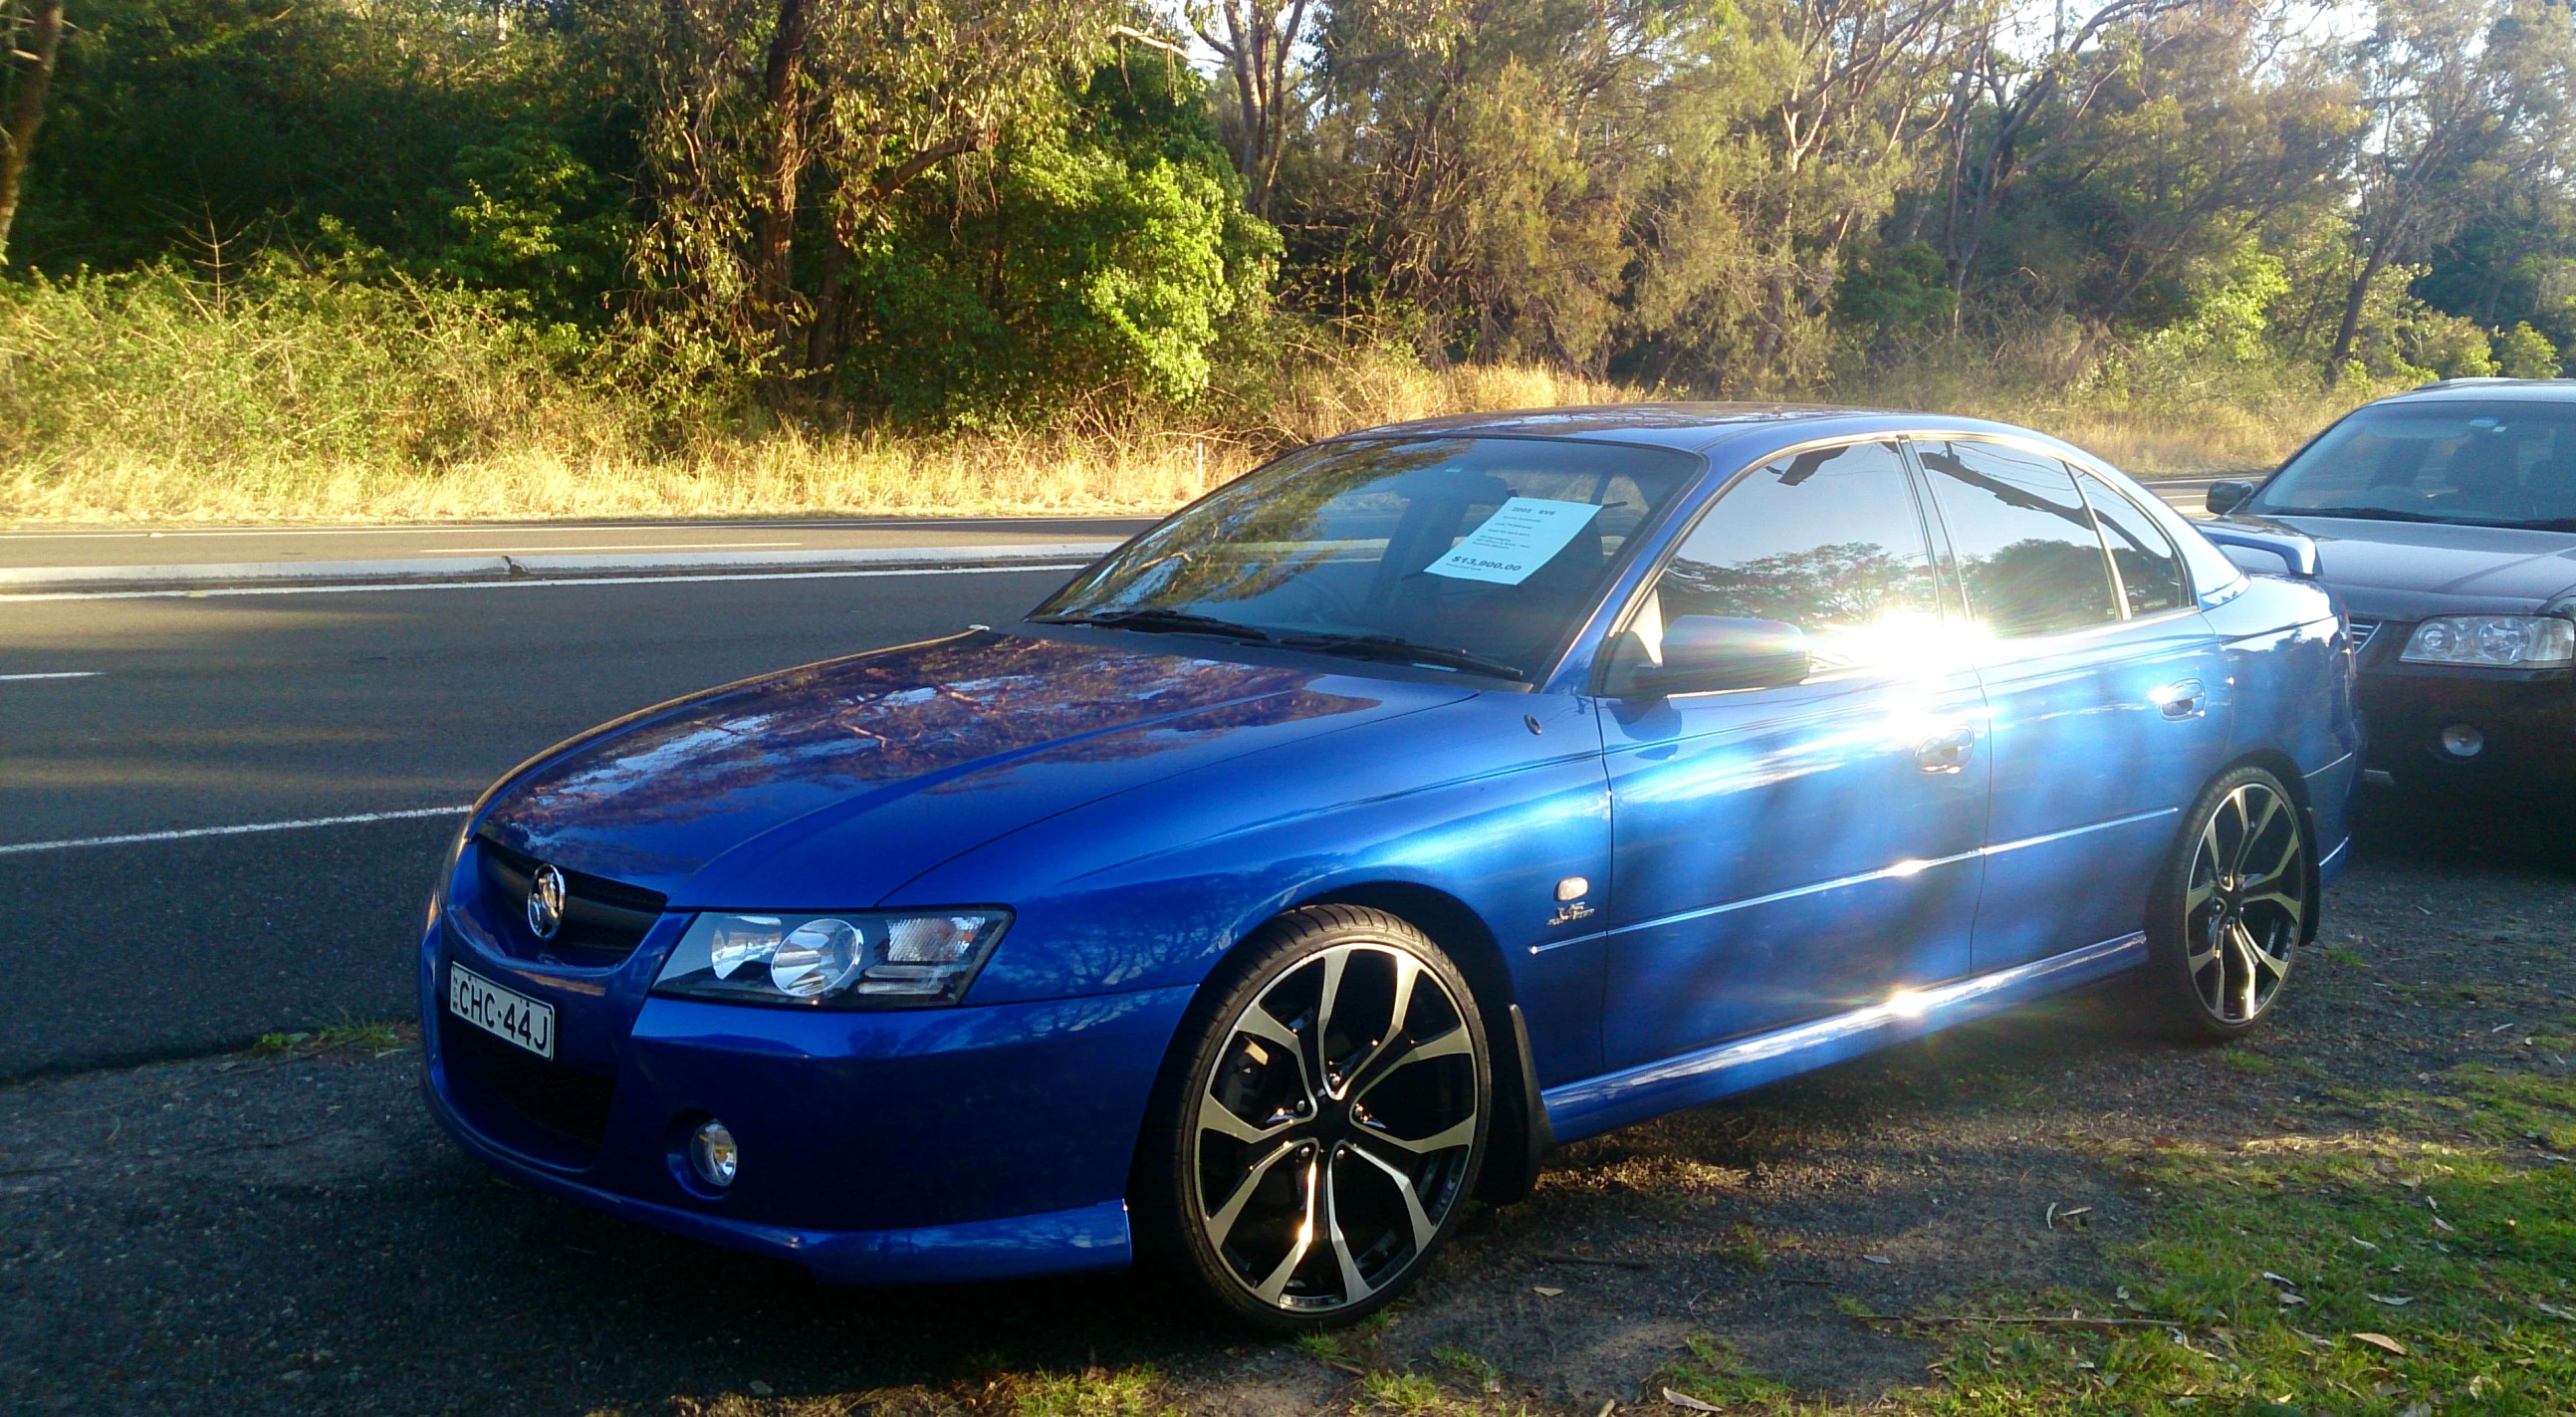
<point>2527,717</point>
<point>915,1146</point>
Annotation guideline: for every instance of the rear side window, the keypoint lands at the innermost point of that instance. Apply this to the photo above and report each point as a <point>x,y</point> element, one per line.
<point>2151,575</point>
<point>1829,541</point>
<point>2029,557</point>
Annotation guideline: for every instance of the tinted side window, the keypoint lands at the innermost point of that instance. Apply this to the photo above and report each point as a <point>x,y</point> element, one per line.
<point>1829,541</point>
<point>2027,550</point>
<point>2150,569</point>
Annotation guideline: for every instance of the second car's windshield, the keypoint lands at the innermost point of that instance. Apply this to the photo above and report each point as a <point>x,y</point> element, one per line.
<point>1473,554</point>
<point>2504,463</point>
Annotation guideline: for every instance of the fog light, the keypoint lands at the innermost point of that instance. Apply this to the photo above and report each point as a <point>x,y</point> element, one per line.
<point>713,1155</point>
<point>2461,741</point>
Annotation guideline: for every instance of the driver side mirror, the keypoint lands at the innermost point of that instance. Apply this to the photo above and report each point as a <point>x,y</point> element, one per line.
<point>2225,497</point>
<point>1703,653</point>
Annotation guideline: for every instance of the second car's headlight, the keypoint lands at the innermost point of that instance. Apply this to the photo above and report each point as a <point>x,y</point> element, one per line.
<point>2493,641</point>
<point>851,960</point>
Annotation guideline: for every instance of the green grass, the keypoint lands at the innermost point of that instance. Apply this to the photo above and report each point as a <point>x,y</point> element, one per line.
<point>2478,1242</point>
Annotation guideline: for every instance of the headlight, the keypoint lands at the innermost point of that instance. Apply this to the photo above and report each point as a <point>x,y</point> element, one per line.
<point>852,960</point>
<point>2493,641</point>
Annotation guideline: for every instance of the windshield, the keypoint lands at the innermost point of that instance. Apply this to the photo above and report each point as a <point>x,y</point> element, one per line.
<point>2488,464</point>
<point>1480,555</point>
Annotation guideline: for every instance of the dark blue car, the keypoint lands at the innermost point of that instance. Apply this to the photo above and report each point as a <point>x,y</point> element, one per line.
<point>2445,518</point>
<point>1429,797</point>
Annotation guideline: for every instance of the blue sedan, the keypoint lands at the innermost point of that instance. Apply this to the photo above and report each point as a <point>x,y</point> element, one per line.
<point>1309,866</point>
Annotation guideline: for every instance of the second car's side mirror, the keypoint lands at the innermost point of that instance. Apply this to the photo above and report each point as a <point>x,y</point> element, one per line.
<point>2225,497</point>
<point>1709,652</point>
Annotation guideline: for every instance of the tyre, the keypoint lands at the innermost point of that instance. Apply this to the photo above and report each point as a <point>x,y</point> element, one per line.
<point>1320,1122</point>
<point>2230,910</point>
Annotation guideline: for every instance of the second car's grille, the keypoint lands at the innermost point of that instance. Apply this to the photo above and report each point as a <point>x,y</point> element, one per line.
<point>556,1096</point>
<point>603,920</point>
<point>2363,631</point>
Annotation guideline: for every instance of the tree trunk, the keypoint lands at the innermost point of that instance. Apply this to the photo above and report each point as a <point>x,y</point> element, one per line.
<point>27,110</point>
<point>2350,329</point>
<point>781,85</point>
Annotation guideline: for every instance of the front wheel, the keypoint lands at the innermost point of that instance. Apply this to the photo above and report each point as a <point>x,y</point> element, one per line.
<point>1320,1124</point>
<point>2230,910</point>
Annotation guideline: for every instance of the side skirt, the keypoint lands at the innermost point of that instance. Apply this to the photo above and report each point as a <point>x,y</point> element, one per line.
<point>1612,1100</point>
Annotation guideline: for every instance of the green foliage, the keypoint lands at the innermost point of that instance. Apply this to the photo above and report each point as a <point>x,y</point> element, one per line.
<point>1102,260</point>
<point>965,216</point>
<point>529,220</point>
<point>2525,353</point>
<point>1897,293</point>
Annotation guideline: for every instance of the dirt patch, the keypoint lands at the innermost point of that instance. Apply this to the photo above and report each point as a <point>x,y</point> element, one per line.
<point>291,1233</point>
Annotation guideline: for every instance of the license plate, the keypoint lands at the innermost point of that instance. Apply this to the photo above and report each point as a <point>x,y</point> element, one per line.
<point>503,1013</point>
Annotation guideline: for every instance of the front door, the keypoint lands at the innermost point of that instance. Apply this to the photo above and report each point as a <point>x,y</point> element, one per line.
<point>2107,694</point>
<point>1782,854</point>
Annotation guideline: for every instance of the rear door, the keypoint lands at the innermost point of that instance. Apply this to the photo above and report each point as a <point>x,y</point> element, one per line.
<point>1781,854</point>
<point>2105,689</point>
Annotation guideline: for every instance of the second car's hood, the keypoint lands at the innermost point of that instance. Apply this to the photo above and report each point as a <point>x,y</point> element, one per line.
<point>828,786</point>
<point>2405,570</point>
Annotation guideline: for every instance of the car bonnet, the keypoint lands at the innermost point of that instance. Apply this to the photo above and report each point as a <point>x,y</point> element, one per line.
<point>830,785</point>
<point>2405,570</point>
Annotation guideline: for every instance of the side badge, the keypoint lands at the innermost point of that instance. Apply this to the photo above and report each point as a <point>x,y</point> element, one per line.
<point>1571,907</point>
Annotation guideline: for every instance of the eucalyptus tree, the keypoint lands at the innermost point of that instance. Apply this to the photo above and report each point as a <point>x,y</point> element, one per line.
<point>763,112</point>
<point>35,39</point>
<point>2461,98</point>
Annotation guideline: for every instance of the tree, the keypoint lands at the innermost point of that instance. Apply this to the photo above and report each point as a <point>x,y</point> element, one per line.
<point>1254,38</point>
<point>34,42</point>
<point>2462,95</point>
<point>755,105</point>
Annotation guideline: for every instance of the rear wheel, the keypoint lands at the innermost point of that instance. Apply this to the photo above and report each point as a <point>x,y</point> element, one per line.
<point>2230,910</point>
<point>1321,1122</point>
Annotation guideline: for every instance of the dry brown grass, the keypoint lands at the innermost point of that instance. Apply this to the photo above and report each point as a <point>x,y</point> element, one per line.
<point>1135,470</point>
<point>149,397</point>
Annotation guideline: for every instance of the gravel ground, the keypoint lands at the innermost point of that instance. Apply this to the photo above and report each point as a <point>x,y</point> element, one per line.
<point>289,1234</point>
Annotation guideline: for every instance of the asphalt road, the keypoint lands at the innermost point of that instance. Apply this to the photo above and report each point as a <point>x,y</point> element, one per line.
<point>185,545</point>
<point>224,711</point>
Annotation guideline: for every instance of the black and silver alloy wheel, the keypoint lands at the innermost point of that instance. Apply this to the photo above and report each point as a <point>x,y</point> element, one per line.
<point>2232,908</point>
<point>2247,902</point>
<point>1331,1119</point>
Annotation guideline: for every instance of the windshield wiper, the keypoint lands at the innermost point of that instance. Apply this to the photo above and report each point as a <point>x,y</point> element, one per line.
<point>1395,650</point>
<point>1152,621</point>
<point>2544,524</point>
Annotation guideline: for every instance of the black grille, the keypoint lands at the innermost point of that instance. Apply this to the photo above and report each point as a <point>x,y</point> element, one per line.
<point>562,1099</point>
<point>2363,631</point>
<point>603,920</point>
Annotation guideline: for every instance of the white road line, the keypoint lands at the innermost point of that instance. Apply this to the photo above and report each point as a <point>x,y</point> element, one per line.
<point>69,674</point>
<point>528,582</point>
<point>24,847</point>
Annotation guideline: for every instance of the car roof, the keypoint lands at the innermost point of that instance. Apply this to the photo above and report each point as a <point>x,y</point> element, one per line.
<point>2488,391</point>
<point>1750,430</point>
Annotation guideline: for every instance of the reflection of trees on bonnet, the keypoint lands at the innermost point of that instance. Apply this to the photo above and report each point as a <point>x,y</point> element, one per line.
<point>1266,530</point>
<point>825,730</point>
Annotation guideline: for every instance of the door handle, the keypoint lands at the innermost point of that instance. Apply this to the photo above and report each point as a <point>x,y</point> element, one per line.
<point>2180,700</point>
<point>1945,752</point>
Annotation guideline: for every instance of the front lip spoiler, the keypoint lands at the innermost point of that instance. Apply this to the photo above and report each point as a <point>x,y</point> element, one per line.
<point>1051,1242</point>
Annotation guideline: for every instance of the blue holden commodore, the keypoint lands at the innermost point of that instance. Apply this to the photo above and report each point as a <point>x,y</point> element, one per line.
<point>1434,795</point>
